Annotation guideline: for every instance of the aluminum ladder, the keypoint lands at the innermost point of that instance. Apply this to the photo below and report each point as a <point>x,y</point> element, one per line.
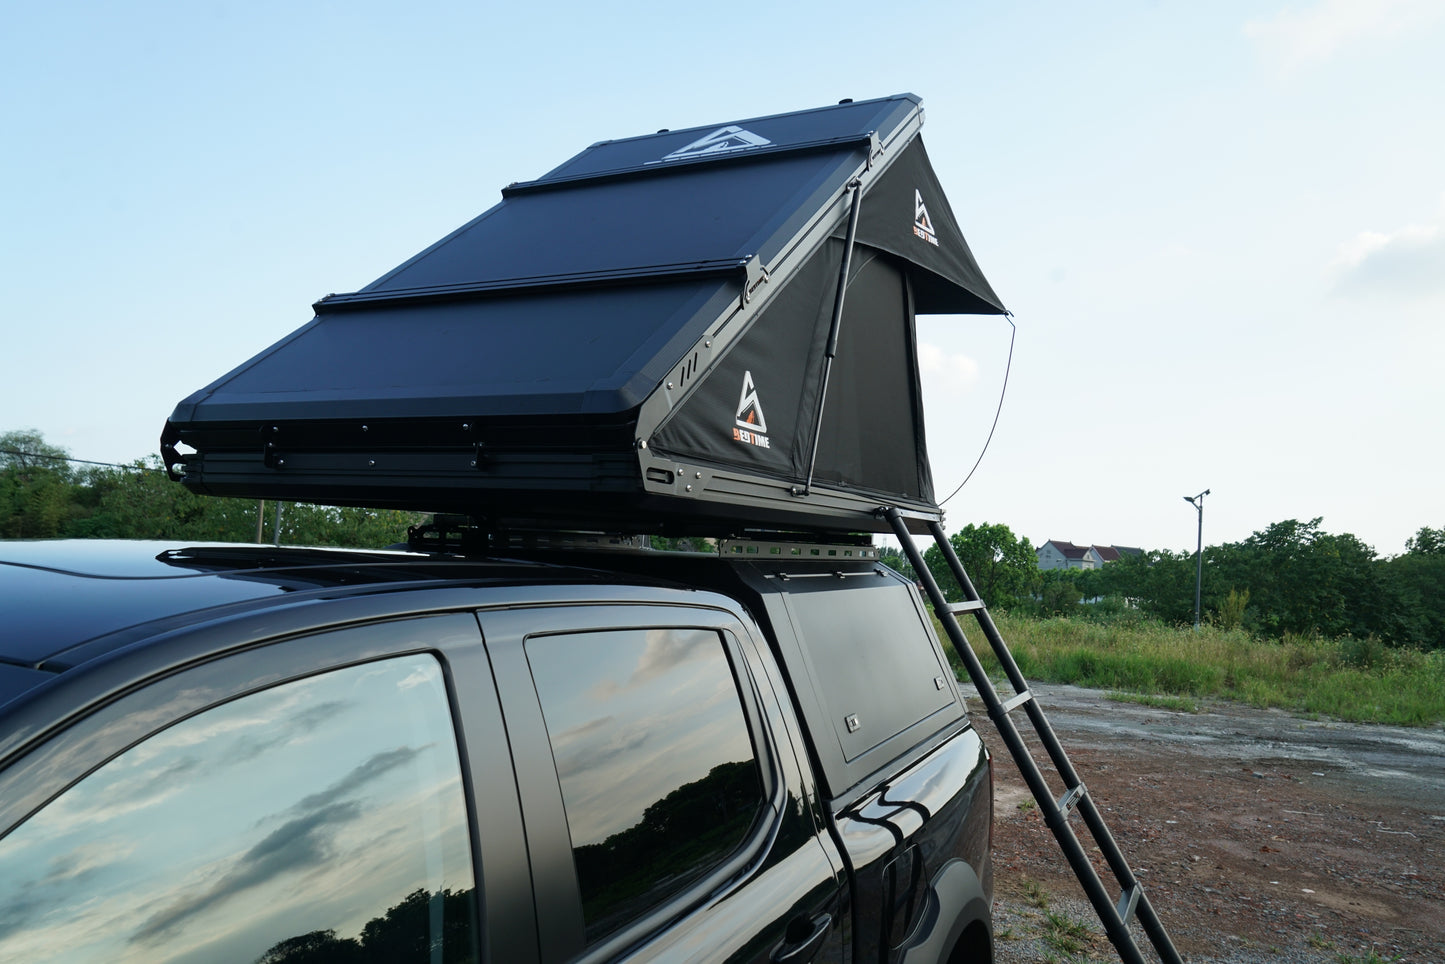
<point>1132,902</point>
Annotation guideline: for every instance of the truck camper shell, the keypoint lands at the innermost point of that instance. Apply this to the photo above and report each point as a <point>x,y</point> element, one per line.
<point>701,330</point>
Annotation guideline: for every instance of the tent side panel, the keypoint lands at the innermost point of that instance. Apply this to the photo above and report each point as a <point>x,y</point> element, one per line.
<point>872,430</point>
<point>754,408</point>
<point>907,214</point>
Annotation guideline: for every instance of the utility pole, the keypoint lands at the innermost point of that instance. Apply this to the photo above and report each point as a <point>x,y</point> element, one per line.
<point>1198,502</point>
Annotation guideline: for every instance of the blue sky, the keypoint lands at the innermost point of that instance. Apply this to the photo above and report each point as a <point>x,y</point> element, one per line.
<point>1221,227</point>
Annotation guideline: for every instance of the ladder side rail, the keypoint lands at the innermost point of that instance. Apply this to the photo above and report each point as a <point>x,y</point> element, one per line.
<point>1056,820</point>
<point>1086,806</point>
<point>1107,846</point>
<point>1005,657</point>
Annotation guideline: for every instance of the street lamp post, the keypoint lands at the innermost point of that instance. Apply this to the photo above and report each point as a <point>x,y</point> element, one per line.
<point>1198,502</point>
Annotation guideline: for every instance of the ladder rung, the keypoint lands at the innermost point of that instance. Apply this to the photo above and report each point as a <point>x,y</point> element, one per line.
<point>1018,700</point>
<point>1071,799</point>
<point>1129,902</point>
<point>967,606</point>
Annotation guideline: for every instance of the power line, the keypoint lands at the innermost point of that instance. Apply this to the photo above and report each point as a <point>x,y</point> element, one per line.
<point>67,458</point>
<point>1008,366</point>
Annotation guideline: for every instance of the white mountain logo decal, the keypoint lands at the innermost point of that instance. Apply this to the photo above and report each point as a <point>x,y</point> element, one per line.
<point>922,223</point>
<point>724,140</point>
<point>751,426</point>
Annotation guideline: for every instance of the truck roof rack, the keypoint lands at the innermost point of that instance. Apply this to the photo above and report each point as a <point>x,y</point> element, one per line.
<point>691,331</point>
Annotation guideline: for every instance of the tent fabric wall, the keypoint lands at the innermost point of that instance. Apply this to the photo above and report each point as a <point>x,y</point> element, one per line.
<point>872,423</point>
<point>898,212</point>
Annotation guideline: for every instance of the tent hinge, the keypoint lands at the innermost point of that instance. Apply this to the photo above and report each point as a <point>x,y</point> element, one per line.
<point>755,275</point>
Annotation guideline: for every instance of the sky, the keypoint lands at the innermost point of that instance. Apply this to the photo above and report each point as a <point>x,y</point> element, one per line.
<point>1220,227</point>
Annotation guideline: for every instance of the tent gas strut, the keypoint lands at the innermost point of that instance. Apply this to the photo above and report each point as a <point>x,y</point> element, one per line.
<point>856,186</point>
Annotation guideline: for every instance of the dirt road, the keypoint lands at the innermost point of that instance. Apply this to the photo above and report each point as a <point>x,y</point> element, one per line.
<point>1258,836</point>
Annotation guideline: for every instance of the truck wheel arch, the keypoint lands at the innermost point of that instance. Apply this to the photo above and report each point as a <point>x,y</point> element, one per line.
<point>955,927</point>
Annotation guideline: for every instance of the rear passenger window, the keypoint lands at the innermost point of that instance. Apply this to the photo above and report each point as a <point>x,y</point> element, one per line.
<point>319,820</point>
<point>654,758</point>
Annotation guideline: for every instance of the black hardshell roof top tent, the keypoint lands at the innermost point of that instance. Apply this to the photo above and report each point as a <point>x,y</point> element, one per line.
<point>654,336</point>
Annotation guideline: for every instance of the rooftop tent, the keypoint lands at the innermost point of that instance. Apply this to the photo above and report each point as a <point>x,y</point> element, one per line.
<point>648,338</point>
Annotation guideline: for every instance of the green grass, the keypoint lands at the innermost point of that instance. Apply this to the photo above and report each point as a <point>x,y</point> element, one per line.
<point>1182,704</point>
<point>1064,934</point>
<point>1370,957</point>
<point>1355,680</point>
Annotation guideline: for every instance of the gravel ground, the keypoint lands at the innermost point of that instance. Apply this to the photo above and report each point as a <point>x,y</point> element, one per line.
<point>1259,837</point>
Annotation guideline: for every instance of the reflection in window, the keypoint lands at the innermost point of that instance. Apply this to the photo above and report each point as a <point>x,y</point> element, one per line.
<point>654,758</point>
<point>318,821</point>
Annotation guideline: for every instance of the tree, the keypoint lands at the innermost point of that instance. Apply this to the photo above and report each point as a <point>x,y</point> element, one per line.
<point>323,525</point>
<point>27,449</point>
<point>1427,542</point>
<point>140,501</point>
<point>1058,592</point>
<point>894,559</point>
<point>1304,580</point>
<point>35,487</point>
<point>1159,582</point>
<point>43,497</point>
<point>1003,567</point>
<point>1418,580</point>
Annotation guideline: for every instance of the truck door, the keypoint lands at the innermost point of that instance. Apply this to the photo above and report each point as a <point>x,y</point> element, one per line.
<point>667,815</point>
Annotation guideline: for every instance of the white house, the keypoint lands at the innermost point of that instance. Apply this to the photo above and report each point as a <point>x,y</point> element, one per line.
<point>1057,554</point>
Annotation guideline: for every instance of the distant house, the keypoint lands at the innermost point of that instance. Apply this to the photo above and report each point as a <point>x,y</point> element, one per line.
<point>1057,554</point>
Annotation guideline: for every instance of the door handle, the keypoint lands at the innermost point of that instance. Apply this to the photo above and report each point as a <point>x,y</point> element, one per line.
<point>802,940</point>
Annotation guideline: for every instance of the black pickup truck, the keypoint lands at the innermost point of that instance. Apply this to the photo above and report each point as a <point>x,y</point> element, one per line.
<point>249,754</point>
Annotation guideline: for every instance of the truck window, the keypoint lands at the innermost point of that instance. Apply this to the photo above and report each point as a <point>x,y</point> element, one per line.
<point>656,765</point>
<point>319,819</point>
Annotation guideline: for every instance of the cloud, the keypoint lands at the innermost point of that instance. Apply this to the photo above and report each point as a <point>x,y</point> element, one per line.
<point>954,374</point>
<point>1408,262</point>
<point>1300,35</point>
<point>300,843</point>
<point>304,841</point>
<point>666,650</point>
<point>361,775</point>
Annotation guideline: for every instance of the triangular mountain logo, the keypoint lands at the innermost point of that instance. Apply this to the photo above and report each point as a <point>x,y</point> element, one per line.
<point>922,223</point>
<point>750,410</point>
<point>721,141</point>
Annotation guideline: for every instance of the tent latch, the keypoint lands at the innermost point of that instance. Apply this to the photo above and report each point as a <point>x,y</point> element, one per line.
<point>755,274</point>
